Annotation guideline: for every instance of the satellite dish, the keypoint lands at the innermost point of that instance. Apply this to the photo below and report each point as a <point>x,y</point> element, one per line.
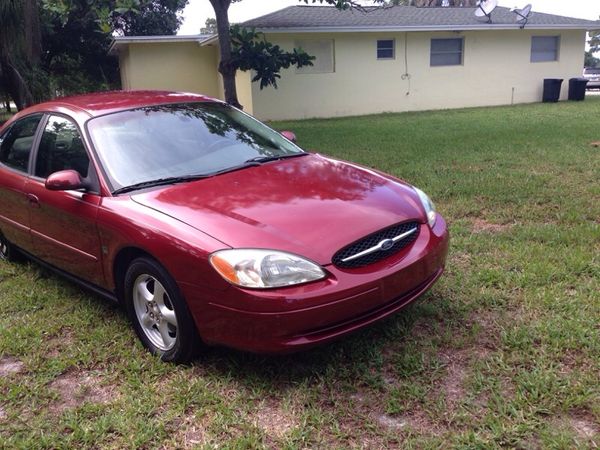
<point>485,8</point>
<point>522,15</point>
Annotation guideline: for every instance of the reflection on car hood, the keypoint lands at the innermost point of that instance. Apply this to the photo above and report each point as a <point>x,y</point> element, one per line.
<point>310,206</point>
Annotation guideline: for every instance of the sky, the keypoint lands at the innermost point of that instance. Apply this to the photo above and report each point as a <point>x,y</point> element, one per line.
<point>197,11</point>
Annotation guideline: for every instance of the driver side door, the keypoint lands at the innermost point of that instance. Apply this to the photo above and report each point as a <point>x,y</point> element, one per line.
<point>63,223</point>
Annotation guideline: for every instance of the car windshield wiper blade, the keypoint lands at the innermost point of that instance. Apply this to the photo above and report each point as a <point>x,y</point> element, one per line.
<point>256,161</point>
<point>264,159</point>
<point>159,182</point>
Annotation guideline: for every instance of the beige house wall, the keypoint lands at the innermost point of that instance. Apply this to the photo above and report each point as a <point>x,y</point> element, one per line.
<point>173,66</point>
<point>179,66</point>
<point>496,70</point>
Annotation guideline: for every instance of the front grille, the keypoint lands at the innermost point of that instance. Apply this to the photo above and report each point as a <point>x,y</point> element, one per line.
<point>373,240</point>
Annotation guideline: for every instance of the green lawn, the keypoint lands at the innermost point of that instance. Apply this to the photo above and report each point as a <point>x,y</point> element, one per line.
<point>503,352</point>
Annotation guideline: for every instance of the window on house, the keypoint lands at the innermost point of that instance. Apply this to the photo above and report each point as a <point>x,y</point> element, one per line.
<point>385,49</point>
<point>446,52</point>
<point>544,48</point>
<point>322,50</point>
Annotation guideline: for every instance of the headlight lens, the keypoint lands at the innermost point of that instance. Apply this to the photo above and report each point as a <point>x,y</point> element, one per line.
<point>264,268</point>
<point>428,206</point>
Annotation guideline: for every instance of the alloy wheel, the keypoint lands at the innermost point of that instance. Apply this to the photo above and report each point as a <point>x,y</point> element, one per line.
<point>154,312</point>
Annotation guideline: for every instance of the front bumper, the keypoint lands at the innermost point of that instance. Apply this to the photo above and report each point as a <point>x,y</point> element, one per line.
<point>300,317</point>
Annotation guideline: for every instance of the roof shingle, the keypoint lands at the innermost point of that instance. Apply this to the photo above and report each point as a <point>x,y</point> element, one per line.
<point>405,17</point>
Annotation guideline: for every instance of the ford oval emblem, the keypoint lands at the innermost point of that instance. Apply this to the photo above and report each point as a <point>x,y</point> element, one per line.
<point>386,244</point>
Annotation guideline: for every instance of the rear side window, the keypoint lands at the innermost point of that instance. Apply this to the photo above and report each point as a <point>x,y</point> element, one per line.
<point>15,145</point>
<point>61,148</point>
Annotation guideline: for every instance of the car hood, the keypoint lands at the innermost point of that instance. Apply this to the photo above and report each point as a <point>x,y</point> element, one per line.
<point>311,205</point>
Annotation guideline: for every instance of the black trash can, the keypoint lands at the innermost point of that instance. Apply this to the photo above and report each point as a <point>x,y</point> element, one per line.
<point>577,88</point>
<point>552,89</point>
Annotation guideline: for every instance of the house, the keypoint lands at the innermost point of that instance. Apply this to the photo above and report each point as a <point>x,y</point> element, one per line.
<point>401,58</point>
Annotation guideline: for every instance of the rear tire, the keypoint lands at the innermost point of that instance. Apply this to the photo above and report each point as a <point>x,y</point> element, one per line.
<point>159,313</point>
<point>7,250</point>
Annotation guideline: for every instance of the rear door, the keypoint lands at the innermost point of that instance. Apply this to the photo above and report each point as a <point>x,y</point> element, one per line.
<point>63,223</point>
<point>16,144</point>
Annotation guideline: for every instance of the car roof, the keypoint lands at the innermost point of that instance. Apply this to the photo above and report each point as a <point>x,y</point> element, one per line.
<point>100,103</point>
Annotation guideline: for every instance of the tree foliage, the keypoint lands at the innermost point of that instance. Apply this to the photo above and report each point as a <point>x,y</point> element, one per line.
<point>591,60</point>
<point>594,41</point>
<point>50,47</point>
<point>210,26</point>
<point>251,51</point>
<point>146,17</point>
<point>247,49</point>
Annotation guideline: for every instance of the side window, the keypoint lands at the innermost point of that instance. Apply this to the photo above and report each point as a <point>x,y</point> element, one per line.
<point>544,48</point>
<point>61,148</point>
<point>322,50</point>
<point>15,145</point>
<point>385,49</point>
<point>446,52</point>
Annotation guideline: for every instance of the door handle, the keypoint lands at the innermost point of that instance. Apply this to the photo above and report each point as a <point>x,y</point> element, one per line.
<point>33,200</point>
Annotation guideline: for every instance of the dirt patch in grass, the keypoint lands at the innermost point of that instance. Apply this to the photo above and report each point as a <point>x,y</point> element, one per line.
<point>57,344</point>
<point>74,388</point>
<point>452,384</point>
<point>10,366</point>
<point>3,414</point>
<point>415,420</point>
<point>585,426</point>
<point>191,431</point>
<point>273,419</point>
<point>483,226</point>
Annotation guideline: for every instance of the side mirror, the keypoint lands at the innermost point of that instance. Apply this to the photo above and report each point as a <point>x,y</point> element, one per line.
<point>289,135</point>
<point>65,180</point>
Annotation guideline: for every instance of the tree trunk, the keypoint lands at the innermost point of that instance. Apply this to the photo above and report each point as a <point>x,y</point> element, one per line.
<point>33,34</point>
<point>226,69</point>
<point>15,85</point>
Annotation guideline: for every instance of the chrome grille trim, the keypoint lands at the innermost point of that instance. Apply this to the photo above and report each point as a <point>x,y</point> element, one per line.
<point>380,246</point>
<point>377,246</point>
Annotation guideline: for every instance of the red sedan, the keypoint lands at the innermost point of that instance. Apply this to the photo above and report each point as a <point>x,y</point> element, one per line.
<point>208,226</point>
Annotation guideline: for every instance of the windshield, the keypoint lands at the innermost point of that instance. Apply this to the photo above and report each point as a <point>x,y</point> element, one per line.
<point>181,140</point>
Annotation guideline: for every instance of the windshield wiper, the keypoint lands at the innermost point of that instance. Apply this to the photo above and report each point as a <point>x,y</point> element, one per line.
<point>159,182</point>
<point>264,159</point>
<point>256,161</point>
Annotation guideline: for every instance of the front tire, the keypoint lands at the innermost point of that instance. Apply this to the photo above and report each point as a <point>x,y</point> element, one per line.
<point>158,312</point>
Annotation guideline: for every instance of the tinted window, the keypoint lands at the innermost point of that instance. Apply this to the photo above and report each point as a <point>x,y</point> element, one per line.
<point>544,48</point>
<point>61,148</point>
<point>385,49</point>
<point>15,145</point>
<point>166,141</point>
<point>446,52</point>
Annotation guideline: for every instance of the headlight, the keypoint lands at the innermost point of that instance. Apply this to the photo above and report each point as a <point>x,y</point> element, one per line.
<point>264,268</point>
<point>428,206</point>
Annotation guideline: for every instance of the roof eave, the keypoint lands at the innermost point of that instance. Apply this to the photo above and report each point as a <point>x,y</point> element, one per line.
<point>388,29</point>
<point>119,41</point>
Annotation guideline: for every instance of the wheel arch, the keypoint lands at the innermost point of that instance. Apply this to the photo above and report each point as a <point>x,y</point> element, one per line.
<point>121,262</point>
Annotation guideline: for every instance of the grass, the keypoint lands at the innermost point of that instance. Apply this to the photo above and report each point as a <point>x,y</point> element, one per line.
<point>503,352</point>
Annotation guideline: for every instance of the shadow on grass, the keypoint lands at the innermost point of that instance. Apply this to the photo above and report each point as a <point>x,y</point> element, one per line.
<point>355,359</point>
